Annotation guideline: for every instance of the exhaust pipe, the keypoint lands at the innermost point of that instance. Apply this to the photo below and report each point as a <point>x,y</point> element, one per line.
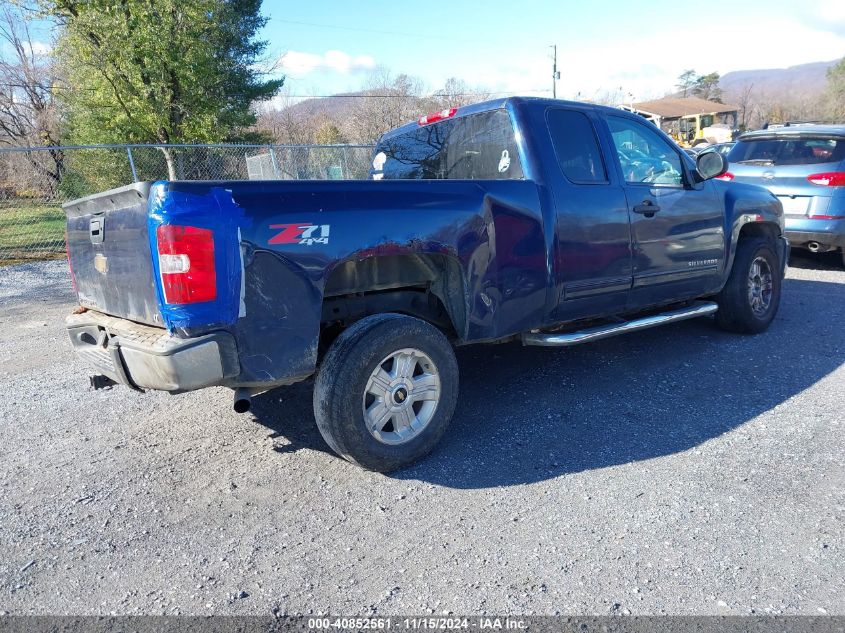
<point>243,400</point>
<point>814,247</point>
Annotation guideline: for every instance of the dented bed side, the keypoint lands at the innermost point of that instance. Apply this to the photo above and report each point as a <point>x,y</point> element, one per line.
<point>276,246</point>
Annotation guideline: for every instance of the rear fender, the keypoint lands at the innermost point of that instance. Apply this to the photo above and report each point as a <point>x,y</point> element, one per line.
<point>213,209</point>
<point>440,274</point>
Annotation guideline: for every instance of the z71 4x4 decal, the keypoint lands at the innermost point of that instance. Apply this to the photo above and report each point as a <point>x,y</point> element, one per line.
<point>297,233</point>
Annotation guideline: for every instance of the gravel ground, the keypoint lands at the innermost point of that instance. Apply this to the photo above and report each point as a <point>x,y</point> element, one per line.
<point>680,470</point>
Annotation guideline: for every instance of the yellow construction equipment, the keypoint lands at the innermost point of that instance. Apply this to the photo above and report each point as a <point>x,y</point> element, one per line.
<point>690,121</point>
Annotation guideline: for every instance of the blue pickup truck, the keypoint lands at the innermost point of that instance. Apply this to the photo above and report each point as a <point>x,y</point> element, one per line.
<point>534,220</point>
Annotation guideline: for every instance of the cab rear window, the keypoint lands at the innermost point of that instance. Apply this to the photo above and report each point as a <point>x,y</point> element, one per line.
<point>788,151</point>
<point>474,147</point>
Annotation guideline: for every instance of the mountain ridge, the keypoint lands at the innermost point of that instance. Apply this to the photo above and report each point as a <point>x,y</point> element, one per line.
<point>804,80</point>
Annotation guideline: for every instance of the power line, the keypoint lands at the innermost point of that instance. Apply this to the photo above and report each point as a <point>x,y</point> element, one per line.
<point>305,96</point>
<point>454,94</point>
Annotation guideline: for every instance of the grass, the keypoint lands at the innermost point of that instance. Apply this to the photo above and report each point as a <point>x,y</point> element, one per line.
<point>30,230</point>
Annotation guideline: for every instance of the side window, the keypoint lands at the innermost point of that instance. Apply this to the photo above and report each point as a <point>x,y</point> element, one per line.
<point>576,146</point>
<point>417,155</point>
<point>645,156</point>
<point>478,146</point>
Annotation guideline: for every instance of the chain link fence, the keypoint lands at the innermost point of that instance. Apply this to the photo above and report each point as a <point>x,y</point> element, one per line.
<point>35,182</point>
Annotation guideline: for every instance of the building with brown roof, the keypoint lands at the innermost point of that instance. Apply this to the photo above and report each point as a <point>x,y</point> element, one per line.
<point>689,120</point>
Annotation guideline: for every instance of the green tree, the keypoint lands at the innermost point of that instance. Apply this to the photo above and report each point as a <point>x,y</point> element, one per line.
<point>161,71</point>
<point>707,87</point>
<point>329,134</point>
<point>686,82</point>
<point>836,91</point>
<point>691,84</point>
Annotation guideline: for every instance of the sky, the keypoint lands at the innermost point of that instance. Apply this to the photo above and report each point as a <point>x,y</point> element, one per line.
<point>635,48</point>
<point>632,49</point>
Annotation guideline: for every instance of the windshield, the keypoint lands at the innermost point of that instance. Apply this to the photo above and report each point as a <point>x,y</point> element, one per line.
<point>788,151</point>
<point>474,147</point>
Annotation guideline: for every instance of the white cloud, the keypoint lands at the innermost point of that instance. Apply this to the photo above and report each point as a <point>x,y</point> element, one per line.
<point>41,48</point>
<point>832,10</point>
<point>627,66</point>
<point>299,63</point>
<point>827,15</point>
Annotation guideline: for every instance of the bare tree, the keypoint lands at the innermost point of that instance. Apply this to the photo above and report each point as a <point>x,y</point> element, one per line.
<point>285,124</point>
<point>745,101</point>
<point>388,102</point>
<point>456,93</point>
<point>767,108</point>
<point>28,113</point>
<point>611,97</point>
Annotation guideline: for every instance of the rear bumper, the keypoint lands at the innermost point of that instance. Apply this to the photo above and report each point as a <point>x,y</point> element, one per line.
<point>146,357</point>
<point>828,240</point>
<point>830,234</point>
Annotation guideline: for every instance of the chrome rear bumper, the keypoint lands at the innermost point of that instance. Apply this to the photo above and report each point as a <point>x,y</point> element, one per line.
<point>146,357</point>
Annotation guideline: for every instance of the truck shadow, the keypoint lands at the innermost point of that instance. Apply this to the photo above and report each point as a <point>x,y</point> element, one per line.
<point>800,258</point>
<point>529,414</point>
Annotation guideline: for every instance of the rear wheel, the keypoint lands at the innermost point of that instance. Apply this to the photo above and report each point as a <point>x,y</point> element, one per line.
<point>749,301</point>
<point>386,391</point>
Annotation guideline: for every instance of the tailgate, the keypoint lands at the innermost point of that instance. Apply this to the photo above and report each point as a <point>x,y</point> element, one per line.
<point>109,252</point>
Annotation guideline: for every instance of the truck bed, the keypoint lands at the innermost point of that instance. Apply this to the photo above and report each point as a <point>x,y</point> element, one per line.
<point>280,248</point>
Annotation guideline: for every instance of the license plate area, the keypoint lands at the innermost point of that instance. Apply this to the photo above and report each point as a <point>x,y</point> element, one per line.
<point>795,205</point>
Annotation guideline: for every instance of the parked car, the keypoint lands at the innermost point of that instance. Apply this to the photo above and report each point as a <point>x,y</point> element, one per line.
<point>804,165</point>
<point>535,220</point>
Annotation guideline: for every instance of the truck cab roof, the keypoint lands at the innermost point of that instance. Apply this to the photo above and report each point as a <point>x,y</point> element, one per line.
<point>505,102</point>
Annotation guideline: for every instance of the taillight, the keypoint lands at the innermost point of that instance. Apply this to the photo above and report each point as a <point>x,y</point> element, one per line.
<point>434,117</point>
<point>186,263</point>
<point>727,176</point>
<point>828,179</point>
<point>826,217</point>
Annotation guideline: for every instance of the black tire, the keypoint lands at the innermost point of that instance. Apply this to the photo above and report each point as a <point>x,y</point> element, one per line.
<point>341,390</point>
<point>736,312</point>
<point>842,253</point>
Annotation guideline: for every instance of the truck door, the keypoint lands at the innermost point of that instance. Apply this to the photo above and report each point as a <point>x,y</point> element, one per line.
<point>592,249</point>
<point>677,226</point>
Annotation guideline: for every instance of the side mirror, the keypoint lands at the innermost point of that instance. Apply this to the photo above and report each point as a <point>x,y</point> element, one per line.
<point>710,164</point>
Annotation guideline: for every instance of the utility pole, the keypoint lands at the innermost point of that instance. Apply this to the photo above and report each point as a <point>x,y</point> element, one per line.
<point>555,72</point>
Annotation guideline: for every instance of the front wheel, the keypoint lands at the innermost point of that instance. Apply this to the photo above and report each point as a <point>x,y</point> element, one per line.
<point>386,391</point>
<point>749,301</point>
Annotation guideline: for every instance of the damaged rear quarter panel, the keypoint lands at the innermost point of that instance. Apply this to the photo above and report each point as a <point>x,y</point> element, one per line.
<point>301,230</point>
<point>207,207</point>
